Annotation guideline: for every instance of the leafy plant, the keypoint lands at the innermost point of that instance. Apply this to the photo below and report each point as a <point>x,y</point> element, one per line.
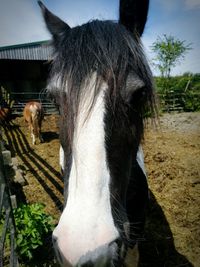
<point>33,226</point>
<point>169,51</point>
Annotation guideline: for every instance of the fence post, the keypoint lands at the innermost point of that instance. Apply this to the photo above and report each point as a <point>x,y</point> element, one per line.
<point>6,215</point>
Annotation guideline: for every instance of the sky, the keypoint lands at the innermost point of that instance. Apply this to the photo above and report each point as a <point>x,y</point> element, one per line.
<point>21,22</point>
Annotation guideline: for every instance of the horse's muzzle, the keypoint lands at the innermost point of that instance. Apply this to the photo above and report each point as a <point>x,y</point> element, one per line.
<point>104,256</point>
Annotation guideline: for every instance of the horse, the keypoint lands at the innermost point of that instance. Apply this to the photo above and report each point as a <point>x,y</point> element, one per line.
<point>103,86</point>
<point>5,115</point>
<point>33,114</point>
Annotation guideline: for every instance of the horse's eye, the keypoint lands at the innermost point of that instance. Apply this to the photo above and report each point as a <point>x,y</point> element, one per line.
<point>135,88</point>
<point>136,96</point>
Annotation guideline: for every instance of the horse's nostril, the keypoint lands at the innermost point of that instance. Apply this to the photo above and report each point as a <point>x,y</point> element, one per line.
<point>115,248</point>
<point>116,242</point>
<point>54,240</point>
<point>103,256</point>
<point>57,251</point>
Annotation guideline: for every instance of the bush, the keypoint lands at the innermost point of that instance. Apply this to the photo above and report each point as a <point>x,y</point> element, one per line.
<point>33,227</point>
<point>181,92</point>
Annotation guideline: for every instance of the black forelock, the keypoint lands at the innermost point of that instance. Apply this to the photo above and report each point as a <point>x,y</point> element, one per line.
<point>98,45</point>
<point>104,47</point>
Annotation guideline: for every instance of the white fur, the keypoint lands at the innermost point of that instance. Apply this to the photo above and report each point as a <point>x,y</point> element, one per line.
<point>33,137</point>
<point>62,158</point>
<point>140,159</point>
<point>54,83</point>
<point>33,109</point>
<point>86,223</point>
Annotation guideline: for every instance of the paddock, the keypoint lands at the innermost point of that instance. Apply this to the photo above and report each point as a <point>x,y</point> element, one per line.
<point>172,161</point>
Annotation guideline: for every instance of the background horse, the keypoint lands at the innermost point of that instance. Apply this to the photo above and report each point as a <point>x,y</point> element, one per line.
<point>103,86</point>
<point>5,115</point>
<point>33,115</point>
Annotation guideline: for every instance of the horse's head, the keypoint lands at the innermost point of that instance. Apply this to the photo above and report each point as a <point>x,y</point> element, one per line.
<point>102,83</point>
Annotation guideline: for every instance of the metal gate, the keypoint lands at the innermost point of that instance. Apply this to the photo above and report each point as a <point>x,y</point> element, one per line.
<point>21,98</point>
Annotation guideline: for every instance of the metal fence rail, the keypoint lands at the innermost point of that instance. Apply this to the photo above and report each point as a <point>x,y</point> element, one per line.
<point>7,225</point>
<point>21,98</point>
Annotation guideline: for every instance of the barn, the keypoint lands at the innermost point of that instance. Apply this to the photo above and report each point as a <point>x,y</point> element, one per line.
<point>23,73</point>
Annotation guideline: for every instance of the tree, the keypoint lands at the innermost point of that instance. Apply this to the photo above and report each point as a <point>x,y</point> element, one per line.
<point>169,52</point>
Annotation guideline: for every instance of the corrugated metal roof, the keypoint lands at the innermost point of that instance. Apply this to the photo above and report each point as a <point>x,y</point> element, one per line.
<point>30,51</point>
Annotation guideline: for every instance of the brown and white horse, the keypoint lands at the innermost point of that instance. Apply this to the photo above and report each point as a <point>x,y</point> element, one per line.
<point>33,114</point>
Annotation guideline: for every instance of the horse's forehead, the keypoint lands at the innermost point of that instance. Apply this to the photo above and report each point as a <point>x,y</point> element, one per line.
<point>87,87</point>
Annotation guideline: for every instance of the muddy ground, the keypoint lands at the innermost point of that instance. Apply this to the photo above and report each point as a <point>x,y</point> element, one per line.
<point>172,157</point>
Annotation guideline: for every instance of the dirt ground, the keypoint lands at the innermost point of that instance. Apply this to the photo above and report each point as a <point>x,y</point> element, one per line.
<point>172,157</point>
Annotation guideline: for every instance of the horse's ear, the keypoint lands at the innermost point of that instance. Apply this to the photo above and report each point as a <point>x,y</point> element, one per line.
<point>133,14</point>
<point>54,24</point>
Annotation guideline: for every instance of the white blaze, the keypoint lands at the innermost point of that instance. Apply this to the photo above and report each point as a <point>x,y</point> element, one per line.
<point>86,222</point>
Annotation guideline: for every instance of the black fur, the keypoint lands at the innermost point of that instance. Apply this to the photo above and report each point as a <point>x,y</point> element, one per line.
<point>133,14</point>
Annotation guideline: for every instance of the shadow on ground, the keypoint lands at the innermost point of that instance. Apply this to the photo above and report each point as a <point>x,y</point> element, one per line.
<point>18,144</point>
<point>158,249</point>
